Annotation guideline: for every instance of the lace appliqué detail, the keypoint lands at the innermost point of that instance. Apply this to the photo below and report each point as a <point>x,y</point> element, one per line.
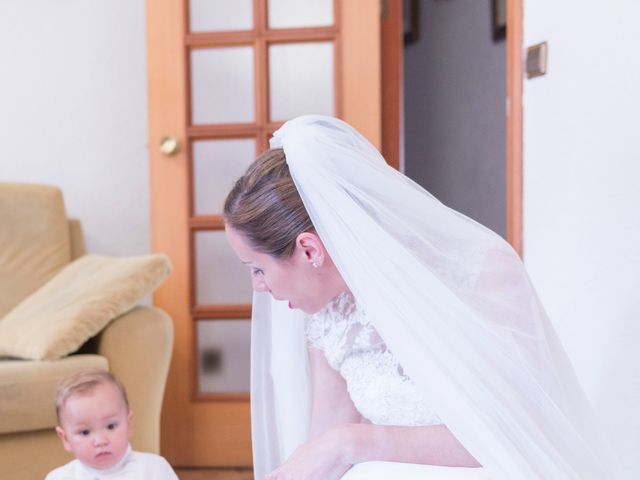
<point>377,385</point>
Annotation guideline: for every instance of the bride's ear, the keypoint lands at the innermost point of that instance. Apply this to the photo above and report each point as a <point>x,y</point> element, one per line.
<point>309,245</point>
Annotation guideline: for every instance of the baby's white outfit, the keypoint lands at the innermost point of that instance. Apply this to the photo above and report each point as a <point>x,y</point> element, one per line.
<point>132,466</point>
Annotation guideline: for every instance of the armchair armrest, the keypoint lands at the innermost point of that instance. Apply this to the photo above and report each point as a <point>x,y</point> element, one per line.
<point>138,346</point>
<point>76,239</point>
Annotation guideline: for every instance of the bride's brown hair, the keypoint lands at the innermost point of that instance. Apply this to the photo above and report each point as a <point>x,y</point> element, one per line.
<point>265,207</point>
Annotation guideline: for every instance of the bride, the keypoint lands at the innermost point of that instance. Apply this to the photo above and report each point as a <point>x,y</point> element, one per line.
<point>393,337</point>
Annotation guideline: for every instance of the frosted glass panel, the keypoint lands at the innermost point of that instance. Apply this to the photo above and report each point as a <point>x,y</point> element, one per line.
<point>300,13</point>
<point>220,15</point>
<point>220,276</point>
<point>217,164</point>
<point>301,79</point>
<point>223,355</point>
<point>222,85</point>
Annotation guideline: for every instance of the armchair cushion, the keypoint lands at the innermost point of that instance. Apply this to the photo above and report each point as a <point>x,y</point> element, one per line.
<point>77,303</point>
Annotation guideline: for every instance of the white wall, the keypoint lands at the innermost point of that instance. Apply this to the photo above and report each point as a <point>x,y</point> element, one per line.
<point>582,198</point>
<point>73,112</point>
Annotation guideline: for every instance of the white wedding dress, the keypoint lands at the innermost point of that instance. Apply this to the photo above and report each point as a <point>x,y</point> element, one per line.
<point>380,390</point>
<point>447,299</point>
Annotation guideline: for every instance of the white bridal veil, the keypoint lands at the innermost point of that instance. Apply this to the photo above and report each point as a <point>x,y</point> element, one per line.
<point>452,301</point>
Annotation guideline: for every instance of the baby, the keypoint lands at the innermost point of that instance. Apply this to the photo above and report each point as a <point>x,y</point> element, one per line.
<point>94,423</point>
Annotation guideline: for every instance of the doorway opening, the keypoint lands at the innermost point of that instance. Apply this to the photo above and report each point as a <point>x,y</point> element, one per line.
<point>455,122</point>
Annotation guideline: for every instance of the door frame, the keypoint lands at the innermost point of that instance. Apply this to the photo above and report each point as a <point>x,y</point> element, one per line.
<point>514,125</point>
<point>392,111</point>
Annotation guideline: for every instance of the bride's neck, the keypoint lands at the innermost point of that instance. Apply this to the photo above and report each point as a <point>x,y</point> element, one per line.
<point>335,284</point>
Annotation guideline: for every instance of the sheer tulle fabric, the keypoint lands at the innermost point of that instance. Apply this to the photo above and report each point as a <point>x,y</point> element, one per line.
<point>449,297</point>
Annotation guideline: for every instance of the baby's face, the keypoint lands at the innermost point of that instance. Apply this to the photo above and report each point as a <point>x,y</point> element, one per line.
<point>96,427</point>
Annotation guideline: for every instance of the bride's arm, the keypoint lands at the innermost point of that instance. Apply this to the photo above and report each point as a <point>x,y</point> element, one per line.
<point>432,445</point>
<point>330,402</point>
<point>338,440</point>
<point>333,413</point>
<point>332,453</point>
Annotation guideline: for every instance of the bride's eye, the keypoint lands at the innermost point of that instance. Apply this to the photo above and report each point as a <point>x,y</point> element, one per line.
<point>256,271</point>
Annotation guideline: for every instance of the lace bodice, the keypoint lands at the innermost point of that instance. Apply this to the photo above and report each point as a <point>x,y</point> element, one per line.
<point>377,385</point>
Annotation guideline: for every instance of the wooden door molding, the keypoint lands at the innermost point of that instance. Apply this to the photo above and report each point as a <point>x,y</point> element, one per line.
<point>392,53</point>
<point>514,125</point>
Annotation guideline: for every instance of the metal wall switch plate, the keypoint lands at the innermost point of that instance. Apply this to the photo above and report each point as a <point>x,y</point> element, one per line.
<point>536,60</point>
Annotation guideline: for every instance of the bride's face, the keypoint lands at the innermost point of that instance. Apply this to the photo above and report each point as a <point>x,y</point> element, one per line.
<point>293,279</point>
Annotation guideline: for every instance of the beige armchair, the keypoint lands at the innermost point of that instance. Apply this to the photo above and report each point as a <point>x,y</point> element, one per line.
<point>36,242</point>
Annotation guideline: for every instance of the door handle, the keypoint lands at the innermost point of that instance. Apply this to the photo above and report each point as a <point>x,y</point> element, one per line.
<point>169,145</point>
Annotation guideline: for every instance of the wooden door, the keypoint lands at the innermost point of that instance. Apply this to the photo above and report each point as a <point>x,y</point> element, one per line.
<point>211,119</point>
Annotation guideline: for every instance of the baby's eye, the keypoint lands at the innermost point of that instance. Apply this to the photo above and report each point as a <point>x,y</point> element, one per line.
<point>112,426</point>
<point>85,432</point>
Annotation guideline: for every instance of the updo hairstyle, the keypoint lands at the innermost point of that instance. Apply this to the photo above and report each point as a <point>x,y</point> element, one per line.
<point>264,206</point>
